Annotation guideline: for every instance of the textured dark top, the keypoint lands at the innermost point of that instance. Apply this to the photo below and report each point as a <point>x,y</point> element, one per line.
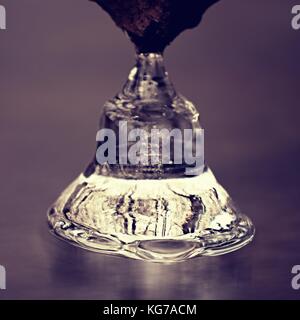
<point>153,24</point>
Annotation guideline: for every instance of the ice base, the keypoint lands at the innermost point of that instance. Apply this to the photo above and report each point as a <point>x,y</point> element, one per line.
<point>163,220</point>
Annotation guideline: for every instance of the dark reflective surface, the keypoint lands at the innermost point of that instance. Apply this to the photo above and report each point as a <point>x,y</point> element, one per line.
<point>241,70</point>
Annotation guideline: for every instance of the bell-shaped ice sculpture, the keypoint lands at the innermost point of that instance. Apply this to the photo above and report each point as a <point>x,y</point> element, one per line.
<point>148,193</point>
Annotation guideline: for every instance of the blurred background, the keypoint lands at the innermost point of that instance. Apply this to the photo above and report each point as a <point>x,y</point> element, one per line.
<point>60,60</point>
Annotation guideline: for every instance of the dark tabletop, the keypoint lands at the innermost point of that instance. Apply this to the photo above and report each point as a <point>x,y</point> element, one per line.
<point>59,62</point>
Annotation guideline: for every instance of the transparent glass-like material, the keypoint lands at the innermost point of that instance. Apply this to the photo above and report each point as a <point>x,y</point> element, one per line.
<point>152,212</point>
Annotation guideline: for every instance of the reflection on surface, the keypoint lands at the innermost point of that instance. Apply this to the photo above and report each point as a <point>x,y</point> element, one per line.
<point>96,275</point>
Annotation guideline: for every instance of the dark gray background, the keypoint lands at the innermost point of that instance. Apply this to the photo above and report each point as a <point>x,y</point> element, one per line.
<point>61,59</point>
